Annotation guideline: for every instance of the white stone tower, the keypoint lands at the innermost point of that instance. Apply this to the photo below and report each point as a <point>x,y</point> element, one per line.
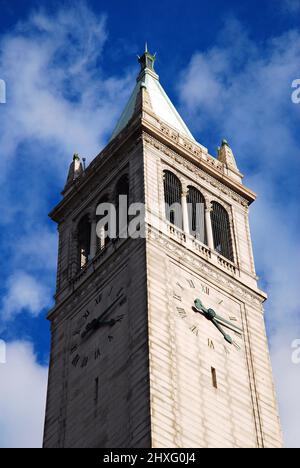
<point>159,341</point>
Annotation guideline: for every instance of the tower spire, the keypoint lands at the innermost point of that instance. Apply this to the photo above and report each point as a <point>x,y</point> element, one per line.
<point>147,60</point>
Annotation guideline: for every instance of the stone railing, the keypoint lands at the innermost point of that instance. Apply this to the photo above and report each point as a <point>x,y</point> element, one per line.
<point>189,241</point>
<point>227,264</point>
<point>203,249</point>
<point>177,233</point>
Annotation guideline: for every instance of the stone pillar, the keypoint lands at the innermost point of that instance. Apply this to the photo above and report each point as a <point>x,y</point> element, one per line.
<point>185,214</point>
<point>93,247</point>
<point>209,231</point>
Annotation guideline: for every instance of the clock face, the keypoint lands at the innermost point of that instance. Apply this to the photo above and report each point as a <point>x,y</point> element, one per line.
<point>206,313</point>
<point>98,325</point>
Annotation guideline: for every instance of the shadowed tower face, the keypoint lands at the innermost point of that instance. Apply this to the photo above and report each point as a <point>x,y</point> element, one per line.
<point>159,340</point>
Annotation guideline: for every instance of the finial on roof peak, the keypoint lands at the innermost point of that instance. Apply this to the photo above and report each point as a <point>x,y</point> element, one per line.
<point>147,60</point>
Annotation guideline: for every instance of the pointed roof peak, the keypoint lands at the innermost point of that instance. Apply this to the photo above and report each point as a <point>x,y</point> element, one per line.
<point>75,170</point>
<point>149,92</point>
<point>226,156</point>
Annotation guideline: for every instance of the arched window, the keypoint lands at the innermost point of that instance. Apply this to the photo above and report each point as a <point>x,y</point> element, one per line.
<point>221,231</point>
<point>103,238</point>
<point>122,206</point>
<point>84,240</point>
<point>173,191</point>
<point>196,210</point>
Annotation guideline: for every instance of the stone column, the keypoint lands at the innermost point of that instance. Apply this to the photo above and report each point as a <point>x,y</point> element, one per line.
<point>93,247</point>
<point>185,214</point>
<point>209,231</point>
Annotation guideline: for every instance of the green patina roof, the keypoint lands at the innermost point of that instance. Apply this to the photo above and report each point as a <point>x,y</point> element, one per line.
<point>160,102</point>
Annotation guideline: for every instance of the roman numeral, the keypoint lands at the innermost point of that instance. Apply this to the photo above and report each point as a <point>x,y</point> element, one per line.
<point>181,312</point>
<point>85,361</point>
<point>211,344</point>
<point>194,330</point>
<point>86,315</point>
<point>205,289</point>
<point>98,299</point>
<point>123,301</point>
<point>73,349</point>
<point>233,319</point>
<point>76,360</point>
<point>97,354</point>
<point>191,283</point>
<point>180,286</point>
<point>178,298</point>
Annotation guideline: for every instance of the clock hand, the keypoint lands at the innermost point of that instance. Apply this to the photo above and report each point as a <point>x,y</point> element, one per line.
<point>96,323</point>
<point>226,337</point>
<point>210,313</point>
<point>228,324</point>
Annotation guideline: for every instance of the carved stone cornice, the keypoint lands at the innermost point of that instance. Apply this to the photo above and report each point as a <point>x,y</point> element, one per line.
<point>220,278</point>
<point>199,173</point>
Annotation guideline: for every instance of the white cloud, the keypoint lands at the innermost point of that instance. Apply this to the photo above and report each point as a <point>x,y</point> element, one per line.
<point>59,101</point>
<point>36,250</point>
<point>243,91</point>
<point>24,293</point>
<point>287,378</point>
<point>57,93</point>
<point>22,398</point>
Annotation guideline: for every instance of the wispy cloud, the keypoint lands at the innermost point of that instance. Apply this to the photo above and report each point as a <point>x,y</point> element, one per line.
<point>22,397</point>
<point>59,100</point>
<point>57,92</point>
<point>291,6</point>
<point>24,293</point>
<point>242,90</point>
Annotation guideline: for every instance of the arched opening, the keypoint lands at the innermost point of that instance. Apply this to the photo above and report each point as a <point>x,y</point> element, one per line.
<point>84,240</point>
<point>221,231</point>
<point>196,210</point>
<point>122,206</point>
<point>173,192</point>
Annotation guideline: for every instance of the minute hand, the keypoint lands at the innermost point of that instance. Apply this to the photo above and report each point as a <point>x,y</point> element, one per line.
<point>228,324</point>
<point>211,314</point>
<point>227,337</point>
<point>97,322</point>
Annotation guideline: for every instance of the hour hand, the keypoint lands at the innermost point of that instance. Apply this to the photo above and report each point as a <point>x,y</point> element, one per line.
<point>98,323</point>
<point>228,324</point>
<point>226,337</point>
<point>113,321</point>
<point>210,314</point>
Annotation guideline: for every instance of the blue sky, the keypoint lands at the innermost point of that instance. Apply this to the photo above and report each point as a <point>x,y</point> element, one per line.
<point>69,69</point>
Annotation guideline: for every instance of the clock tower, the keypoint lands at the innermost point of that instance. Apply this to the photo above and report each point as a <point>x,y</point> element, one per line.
<point>157,333</point>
